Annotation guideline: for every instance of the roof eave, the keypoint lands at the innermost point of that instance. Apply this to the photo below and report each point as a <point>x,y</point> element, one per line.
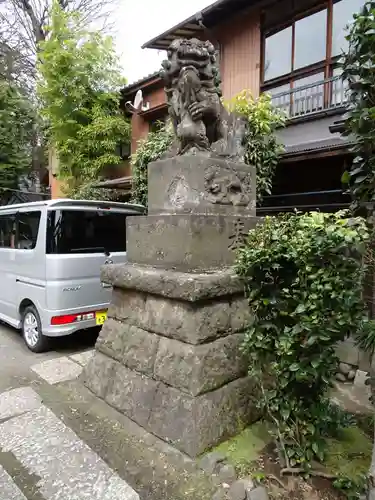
<point>201,22</point>
<point>192,25</point>
<point>146,81</point>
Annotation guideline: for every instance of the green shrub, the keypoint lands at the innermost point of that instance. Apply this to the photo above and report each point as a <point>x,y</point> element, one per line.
<point>303,276</point>
<point>150,149</point>
<point>358,70</point>
<point>262,147</point>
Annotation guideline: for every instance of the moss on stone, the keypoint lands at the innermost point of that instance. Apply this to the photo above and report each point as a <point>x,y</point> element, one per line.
<point>350,454</point>
<point>243,450</point>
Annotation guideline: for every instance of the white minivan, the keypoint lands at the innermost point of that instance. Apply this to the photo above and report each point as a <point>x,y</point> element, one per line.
<point>51,253</point>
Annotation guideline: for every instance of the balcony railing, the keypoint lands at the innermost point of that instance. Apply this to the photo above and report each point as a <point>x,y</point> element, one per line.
<point>313,98</point>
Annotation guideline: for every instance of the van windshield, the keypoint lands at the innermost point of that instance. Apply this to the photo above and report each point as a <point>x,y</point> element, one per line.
<point>80,231</point>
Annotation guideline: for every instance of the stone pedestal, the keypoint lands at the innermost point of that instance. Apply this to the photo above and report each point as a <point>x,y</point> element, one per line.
<point>169,354</point>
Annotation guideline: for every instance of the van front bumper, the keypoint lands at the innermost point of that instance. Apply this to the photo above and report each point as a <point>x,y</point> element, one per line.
<point>67,329</point>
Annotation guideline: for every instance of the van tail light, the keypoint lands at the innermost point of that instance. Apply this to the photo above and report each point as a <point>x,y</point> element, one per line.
<point>72,318</point>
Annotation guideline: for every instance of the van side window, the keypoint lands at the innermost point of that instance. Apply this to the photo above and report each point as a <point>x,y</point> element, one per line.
<point>7,230</point>
<point>28,226</point>
<point>85,231</point>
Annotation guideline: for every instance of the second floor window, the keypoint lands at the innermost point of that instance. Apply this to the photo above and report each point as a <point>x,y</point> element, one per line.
<point>308,48</point>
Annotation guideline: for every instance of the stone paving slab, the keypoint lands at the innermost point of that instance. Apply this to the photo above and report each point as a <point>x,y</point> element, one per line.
<point>18,401</point>
<point>352,397</point>
<point>57,370</point>
<point>67,467</point>
<point>156,470</point>
<point>8,490</point>
<point>83,358</point>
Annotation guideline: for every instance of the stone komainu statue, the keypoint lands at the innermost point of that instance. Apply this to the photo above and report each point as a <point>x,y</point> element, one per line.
<point>201,123</point>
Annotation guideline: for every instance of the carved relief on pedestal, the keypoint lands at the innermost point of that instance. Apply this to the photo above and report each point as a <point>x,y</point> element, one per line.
<point>228,188</point>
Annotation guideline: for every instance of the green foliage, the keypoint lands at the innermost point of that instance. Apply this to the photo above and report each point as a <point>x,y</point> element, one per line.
<point>365,338</point>
<point>150,149</point>
<point>244,449</point>
<point>16,125</point>
<point>262,148</point>
<point>333,419</point>
<point>348,458</point>
<point>358,69</point>
<point>353,489</point>
<point>90,192</point>
<point>79,89</point>
<point>303,276</point>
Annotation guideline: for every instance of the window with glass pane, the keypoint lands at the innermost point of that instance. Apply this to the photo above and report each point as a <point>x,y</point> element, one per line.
<point>278,55</point>
<point>310,39</point>
<point>7,231</point>
<point>76,231</point>
<point>28,227</point>
<point>308,94</point>
<point>342,15</point>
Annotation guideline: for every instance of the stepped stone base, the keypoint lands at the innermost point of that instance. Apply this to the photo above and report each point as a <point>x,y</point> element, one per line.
<point>169,355</point>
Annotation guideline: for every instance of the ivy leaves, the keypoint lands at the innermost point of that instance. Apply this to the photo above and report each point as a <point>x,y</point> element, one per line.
<point>148,150</point>
<point>358,70</point>
<point>304,277</point>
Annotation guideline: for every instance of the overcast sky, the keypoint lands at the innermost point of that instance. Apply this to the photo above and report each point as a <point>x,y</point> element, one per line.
<point>137,21</point>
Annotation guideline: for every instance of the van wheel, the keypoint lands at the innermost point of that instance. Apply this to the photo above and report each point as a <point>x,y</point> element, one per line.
<point>31,327</point>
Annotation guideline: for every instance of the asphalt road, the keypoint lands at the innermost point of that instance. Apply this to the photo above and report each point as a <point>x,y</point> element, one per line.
<point>16,359</point>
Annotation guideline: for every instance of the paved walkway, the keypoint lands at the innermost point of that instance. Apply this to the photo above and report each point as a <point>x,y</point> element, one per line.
<point>42,458</point>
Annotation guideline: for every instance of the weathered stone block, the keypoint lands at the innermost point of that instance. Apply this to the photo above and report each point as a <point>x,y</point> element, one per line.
<point>348,352</point>
<point>364,361</point>
<point>132,346</point>
<point>131,393</point>
<point>110,340</point>
<point>186,242</point>
<point>199,184</point>
<point>98,373</point>
<point>193,424</point>
<point>240,489</point>
<point>211,462</point>
<point>259,493</point>
<point>227,474</point>
<point>193,323</point>
<point>202,368</point>
<point>173,284</point>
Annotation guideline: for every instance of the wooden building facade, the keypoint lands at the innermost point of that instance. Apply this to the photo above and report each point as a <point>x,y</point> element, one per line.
<point>290,49</point>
